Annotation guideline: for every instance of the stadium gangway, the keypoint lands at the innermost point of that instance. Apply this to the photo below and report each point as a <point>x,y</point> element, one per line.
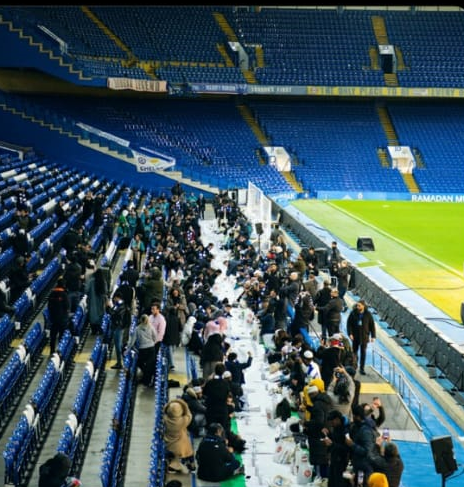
<point>77,427</point>
<point>112,467</point>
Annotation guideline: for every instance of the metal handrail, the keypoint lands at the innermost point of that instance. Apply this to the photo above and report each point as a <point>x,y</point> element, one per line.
<point>392,373</point>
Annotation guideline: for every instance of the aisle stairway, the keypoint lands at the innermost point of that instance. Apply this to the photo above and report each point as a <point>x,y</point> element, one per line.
<point>131,60</point>
<point>291,179</point>
<point>231,37</point>
<point>392,140</point>
<point>411,183</point>
<point>253,124</point>
<point>259,56</point>
<point>387,124</point>
<point>380,31</point>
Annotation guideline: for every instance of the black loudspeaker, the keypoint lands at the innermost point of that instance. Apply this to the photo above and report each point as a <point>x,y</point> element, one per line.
<point>364,243</point>
<point>462,313</point>
<point>443,455</point>
<point>259,228</point>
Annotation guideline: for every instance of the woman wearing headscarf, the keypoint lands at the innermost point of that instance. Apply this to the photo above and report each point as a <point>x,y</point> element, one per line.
<point>176,418</point>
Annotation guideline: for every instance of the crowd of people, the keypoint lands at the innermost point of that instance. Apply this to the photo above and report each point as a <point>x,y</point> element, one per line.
<point>168,285</point>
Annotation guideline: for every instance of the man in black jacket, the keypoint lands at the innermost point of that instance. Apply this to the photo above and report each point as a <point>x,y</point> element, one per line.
<point>360,327</point>
<point>215,461</point>
<point>332,313</point>
<point>117,311</point>
<point>58,312</point>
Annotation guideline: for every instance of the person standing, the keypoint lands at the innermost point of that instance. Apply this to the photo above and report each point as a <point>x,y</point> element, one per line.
<point>144,339</point>
<point>216,391</point>
<point>360,327</point>
<point>171,337</point>
<point>158,322</point>
<point>339,452</point>
<point>117,309</point>
<point>87,206</point>
<point>316,431</point>
<point>304,313</point>
<point>73,276</point>
<point>138,248</point>
<point>58,309</point>
<point>61,212</point>
<point>362,444</point>
<point>343,278</point>
<point>334,254</point>
<point>201,203</point>
<point>321,299</point>
<point>108,222</point>
<point>97,295</point>
<point>212,354</point>
<point>332,313</point>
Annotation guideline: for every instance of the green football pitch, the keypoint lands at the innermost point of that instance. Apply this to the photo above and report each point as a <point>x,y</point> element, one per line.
<point>421,244</point>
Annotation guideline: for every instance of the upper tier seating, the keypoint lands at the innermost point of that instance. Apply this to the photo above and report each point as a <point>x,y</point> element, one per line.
<point>321,47</point>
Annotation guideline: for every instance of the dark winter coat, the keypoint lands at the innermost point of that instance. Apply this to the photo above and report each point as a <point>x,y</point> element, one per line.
<point>215,462</point>
<point>216,392</point>
<point>318,451</point>
<point>364,448</point>
<point>173,328</point>
<point>236,368</point>
<point>361,333</point>
<point>212,349</point>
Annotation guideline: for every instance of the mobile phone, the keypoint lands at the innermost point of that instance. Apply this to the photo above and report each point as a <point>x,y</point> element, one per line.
<point>386,433</point>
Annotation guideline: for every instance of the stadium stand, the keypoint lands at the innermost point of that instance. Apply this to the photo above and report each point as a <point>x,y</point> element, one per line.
<point>218,118</point>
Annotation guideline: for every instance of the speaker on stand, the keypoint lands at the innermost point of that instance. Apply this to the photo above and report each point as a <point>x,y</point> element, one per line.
<point>443,456</point>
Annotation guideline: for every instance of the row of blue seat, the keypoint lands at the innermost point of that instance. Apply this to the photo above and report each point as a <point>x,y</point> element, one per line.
<point>72,439</point>
<point>26,438</point>
<point>16,371</point>
<point>111,472</point>
<point>158,448</point>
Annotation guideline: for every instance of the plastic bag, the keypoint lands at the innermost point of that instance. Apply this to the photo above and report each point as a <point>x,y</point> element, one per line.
<point>285,450</point>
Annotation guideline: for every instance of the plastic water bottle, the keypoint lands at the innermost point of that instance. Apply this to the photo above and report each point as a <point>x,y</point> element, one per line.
<point>360,478</point>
